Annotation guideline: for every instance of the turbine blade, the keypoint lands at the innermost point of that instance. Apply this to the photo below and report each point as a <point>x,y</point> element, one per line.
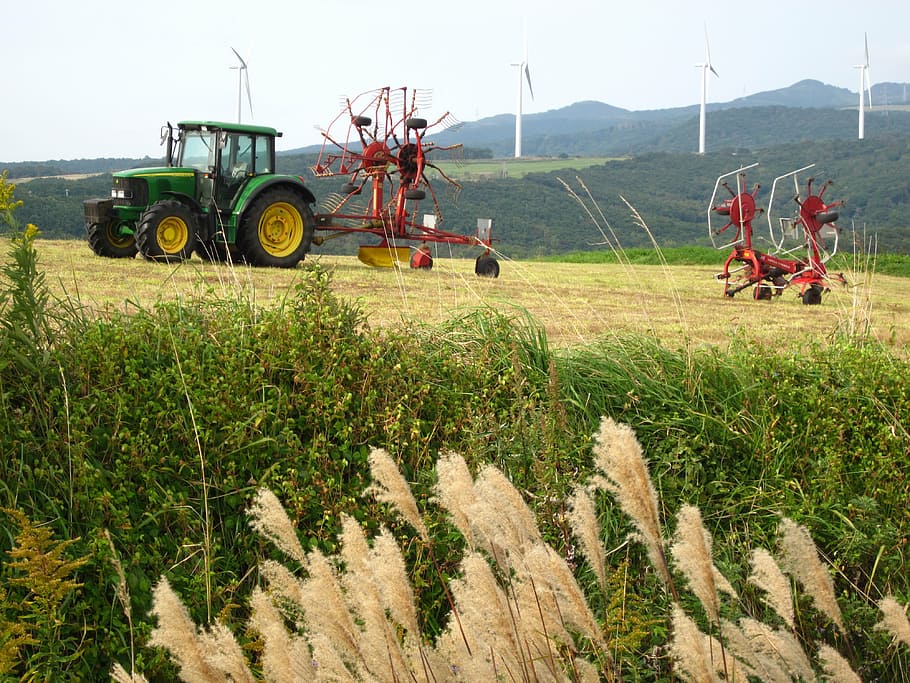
<point>528,78</point>
<point>242,63</point>
<point>866,39</point>
<point>708,54</point>
<point>249,96</point>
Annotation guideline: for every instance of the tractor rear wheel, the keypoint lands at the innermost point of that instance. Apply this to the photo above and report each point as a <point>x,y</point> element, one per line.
<point>167,232</point>
<point>277,229</point>
<point>105,240</point>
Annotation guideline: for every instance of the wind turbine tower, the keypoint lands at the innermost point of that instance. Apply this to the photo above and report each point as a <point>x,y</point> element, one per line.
<point>705,67</point>
<point>243,79</point>
<point>524,74</point>
<point>865,89</point>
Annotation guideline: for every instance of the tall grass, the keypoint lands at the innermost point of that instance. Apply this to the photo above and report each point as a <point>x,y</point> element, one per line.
<point>517,610</point>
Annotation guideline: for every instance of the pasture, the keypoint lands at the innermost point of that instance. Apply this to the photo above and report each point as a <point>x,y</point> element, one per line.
<point>473,169</point>
<point>681,305</point>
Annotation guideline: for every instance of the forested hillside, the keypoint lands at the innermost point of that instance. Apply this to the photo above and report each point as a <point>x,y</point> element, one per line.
<point>536,215</point>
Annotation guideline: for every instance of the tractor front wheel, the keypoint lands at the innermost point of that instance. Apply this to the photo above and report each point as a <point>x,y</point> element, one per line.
<point>277,229</point>
<point>167,232</point>
<point>105,239</point>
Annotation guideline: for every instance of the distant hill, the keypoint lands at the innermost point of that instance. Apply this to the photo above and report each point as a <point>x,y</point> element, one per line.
<point>807,110</point>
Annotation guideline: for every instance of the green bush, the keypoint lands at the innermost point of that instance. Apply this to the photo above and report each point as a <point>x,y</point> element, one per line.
<point>159,426</point>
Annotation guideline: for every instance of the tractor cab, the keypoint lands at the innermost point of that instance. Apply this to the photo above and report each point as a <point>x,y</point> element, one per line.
<point>224,157</point>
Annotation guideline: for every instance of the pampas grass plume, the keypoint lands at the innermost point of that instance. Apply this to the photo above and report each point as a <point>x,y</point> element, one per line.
<point>799,558</point>
<point>836,668</point>
<point>390,487</point>
<point>692,553</point>
<point>582,518</point>
<point>894,620</point>
<point>768,576</point>
<point>269,518</point>
<point>618,455</point>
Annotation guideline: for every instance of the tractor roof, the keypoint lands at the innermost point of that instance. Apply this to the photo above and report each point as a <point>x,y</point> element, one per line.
<point>230,127</point>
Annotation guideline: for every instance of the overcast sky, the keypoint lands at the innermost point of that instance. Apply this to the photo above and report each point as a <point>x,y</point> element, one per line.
<point>94,78</point>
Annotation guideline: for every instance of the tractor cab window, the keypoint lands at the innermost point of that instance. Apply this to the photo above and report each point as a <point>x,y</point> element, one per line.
<point>237,156</point>
<point>236,165</point>
<point>264,155</point>
<point>197,150</point>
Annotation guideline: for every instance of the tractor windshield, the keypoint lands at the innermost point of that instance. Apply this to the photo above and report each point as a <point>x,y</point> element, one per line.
<point>197,150</point>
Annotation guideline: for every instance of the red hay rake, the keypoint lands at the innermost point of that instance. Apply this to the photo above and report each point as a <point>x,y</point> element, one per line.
<point>768,274</point>
<point>378,143</point>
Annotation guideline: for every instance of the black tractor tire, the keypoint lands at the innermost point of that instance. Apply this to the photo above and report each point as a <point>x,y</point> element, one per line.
<point>763,293</point>
<point>415,194</point>
<point>361,121</point>
<point>812,296</point>
<point>216,252</point>
<point>277,229</point>
<point>415,123</point>
<point>167,232</point>
<point>826,217</point>
<point>486,266</point>
<point>105,240</point>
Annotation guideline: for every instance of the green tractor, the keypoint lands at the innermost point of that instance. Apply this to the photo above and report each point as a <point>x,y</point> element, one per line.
<point>219,196</point>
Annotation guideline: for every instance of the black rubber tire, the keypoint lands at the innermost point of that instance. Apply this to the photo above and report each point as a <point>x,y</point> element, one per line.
<point>350,188</point>
<point>216,252</point>
<point>415,194</point>
<point>812,296</point>
<point>763,293</point>
<point>361,121</point>
<point>277,229</point>
<point>415,123</point>
<point>166,232</point>
<point>826,217</point>
<point>486,266</point>
<point>104,240</point>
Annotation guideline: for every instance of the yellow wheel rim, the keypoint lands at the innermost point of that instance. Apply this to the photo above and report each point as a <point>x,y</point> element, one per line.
<point>117,240</point>
<point>280,229</point>
<point>172,234</point>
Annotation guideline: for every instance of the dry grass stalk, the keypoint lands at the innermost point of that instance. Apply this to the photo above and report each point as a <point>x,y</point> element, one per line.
<point>691,551</point>
<point>201,657</point>
<point>390,487</point>
<point>799,558</point>
<point>836,668</point>
<point>269,518</point>
<point>582,518</point>
<point>894,620</point>
<point>618,454</point>
<point>766,574</point>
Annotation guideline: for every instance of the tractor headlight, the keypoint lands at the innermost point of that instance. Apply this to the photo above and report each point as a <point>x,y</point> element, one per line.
<point>120,193</point>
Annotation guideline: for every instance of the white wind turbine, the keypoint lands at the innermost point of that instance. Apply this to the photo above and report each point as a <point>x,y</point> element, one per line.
<point>243,78</point>
<point>705,67</point>
<point>523,75</point>
<point>865,89</point>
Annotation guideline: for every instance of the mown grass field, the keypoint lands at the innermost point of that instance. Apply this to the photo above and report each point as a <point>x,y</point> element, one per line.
<point>512,168</point>
<point>575,303</point>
